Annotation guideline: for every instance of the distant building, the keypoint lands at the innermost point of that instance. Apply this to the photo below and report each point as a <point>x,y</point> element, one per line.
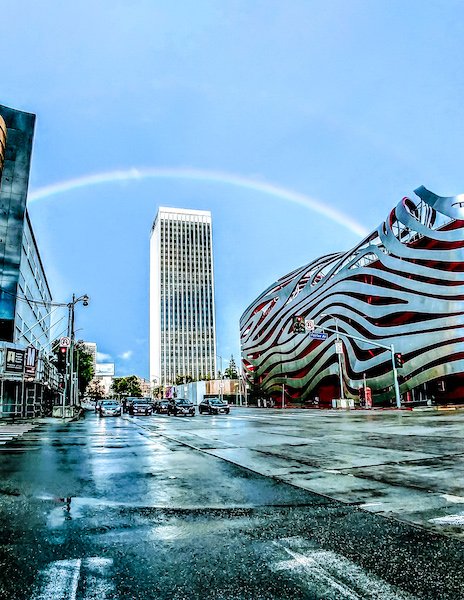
<point>28,381</point>
<point>401,285</point>
<point>230,390</point>
<point>182,313</point>
<point>104,372</point>
<point>146,387</point>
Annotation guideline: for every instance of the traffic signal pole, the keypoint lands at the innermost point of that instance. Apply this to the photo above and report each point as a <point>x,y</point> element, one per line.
<point>340,368</point>
<point>395,378</point>
<point>389,348</point>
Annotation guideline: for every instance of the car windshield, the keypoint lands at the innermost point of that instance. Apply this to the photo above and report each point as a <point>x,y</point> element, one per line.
<point>140,402</point>
<point>216,401</point>
<point>111,404</point>
<point>183,402</point>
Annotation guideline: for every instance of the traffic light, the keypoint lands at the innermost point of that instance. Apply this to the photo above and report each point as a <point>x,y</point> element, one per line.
<point>398,360</point>
<point>62,355</point>
<point>298,325</point>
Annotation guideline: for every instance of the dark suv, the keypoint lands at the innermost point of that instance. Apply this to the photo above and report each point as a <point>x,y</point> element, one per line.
<point>213,406</point>
<point>181,406</point>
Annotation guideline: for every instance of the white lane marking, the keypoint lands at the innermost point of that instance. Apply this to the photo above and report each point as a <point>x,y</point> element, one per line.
<point>60,580</point>
<point>449,520</point>
<point>333,572</point>
<point>98,583</point>
<point>453,499</point>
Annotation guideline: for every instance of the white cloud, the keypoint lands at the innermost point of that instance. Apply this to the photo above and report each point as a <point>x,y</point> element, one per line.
<point>126,355</point>
<point>102,357</point>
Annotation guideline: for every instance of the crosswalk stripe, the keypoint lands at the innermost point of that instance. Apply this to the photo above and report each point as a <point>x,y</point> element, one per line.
<point>60,580</point>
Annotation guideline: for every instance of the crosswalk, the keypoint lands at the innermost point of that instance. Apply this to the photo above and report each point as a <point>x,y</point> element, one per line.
<point>318,573</point>
<point>11,431</point>
<point>327,574</point>
<point>72,579</point>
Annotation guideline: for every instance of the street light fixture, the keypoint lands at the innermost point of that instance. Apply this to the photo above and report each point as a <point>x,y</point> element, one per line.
<point>69,381</point>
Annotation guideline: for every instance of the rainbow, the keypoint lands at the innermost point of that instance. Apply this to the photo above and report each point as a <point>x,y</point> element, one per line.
<point>201,175</point>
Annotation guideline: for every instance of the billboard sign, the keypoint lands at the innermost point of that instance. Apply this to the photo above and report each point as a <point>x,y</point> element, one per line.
<point>104,370</point>
<point>30,366</point>
<point>14,361</point>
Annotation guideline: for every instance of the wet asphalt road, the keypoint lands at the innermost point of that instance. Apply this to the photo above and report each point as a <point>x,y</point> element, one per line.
<point>129,508</point>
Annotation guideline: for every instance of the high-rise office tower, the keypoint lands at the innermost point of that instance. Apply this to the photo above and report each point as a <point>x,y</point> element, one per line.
<point>182,319</point>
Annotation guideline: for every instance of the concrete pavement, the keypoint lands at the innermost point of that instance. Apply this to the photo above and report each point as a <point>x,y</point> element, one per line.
<point>408,465</point>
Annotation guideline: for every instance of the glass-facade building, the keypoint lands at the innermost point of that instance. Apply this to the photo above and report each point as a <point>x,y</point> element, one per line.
<point>182,312</point>
<point>28,380</point>
<point>32,319</point>
<point>16,134</point>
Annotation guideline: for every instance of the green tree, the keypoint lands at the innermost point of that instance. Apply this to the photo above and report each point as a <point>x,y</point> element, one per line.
<point>158,391</point>
<point>127,386</point>
<point>96,389</point>
<point>231,371</point>
<point>83,366</point>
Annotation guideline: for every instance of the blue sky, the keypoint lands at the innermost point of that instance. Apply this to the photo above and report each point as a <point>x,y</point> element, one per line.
<point>353,103</point>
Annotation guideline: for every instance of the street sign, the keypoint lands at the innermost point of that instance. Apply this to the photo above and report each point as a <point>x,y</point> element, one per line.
<point>309,325</point>
<point>14,361</point>
<point>339,347</point>
<point>65,342</point>
<point>318,335</point>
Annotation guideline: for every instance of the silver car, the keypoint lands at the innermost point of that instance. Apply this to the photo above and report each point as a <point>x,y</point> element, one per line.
<point>109,408</point>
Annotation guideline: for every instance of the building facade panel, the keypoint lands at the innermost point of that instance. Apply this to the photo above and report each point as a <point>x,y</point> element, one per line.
<point>32,319</point>
<point>182,312</point>
<point>403,285</point>
<point>16,134</point>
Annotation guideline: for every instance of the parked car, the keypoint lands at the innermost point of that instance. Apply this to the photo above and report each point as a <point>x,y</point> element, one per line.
<point>140,406</point>
<point>109,408</point>
<point>161,406</point>
<point>181,406</point>
<point>213,406</point>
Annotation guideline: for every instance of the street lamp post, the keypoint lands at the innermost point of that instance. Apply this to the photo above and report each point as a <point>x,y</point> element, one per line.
<point>71,333</point>
<point>221,385</point>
